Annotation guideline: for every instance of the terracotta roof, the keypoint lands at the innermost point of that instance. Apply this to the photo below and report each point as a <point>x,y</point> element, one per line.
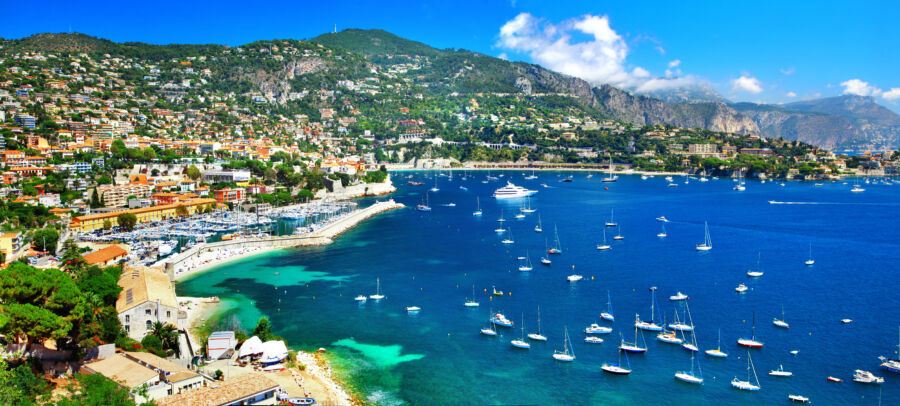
<point>239,387</point>
<point>104,255</point>
<point>142,284</point>
<point>122,370</point>
<point>10,235</point>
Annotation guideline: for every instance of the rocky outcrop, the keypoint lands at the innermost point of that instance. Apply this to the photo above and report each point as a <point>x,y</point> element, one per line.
<point>275,85</point>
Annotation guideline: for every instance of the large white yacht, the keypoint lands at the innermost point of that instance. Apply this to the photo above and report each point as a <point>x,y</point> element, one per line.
<point>511,191</point>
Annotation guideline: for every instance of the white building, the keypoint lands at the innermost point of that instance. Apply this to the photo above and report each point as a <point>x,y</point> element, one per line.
<point>147,296</point>
<point>136,370</point>
<point>220,344</point>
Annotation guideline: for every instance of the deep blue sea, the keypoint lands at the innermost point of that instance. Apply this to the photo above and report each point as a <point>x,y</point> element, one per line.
<point>431,260</point>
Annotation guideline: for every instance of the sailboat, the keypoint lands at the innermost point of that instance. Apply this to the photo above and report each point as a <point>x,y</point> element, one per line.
<point>424,205</point>
<point>435,188</point>
<point>567,354</point>
<point>747,385</point>
<point>608,314</point>
<point>707,241</point>
<point>557,249</point>
<point>526,266</point>
<point>537,336</point>
<point>471,302</point>
<point>538,227</point>
<point>477,211</point>
<point>532,176</point>
<point>527,207</point>
<point>689,376</point>
<point>810,261</point>
<point>718,353</point>
<point>633,347</point>
<point>501,219</point>
<point>377,295</point>
<point>617,369</point>
<point>668,336</point>
<point>662,234</point>
<point>605,246</point>
<point>619,236</point>
<point>610,178</point>
<point>521,343</point>
<point>651,326</point>
<point>751,342</point>
<point>681,325</point>
<point>509,238</point>
<point>490,330</point>
<point>780,322</point>
<point>757,273</point>
<point>891,365</point>
<point>612,220</point>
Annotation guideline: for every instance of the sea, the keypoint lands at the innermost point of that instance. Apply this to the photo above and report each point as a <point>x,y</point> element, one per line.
<point>434,259</point>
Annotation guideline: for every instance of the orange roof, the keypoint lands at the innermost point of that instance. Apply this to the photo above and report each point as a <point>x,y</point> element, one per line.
<point>104,255</point>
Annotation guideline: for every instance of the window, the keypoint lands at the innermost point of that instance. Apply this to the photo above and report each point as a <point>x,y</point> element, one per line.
<point>168,314</point>
<point>127,328</point>
<point>149,324</point>
<point>127,318</point>
<point>147,312</point>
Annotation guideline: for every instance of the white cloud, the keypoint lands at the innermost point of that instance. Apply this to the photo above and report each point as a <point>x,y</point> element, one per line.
<point>788,71</point>
<point>860,88</point>
<point>503,56</point>
<point>660,49</point>
<point>892,94</point>
<point>747,83</point>
<point>601,59</point>
<point>675,63</point>
<point>791,94</point>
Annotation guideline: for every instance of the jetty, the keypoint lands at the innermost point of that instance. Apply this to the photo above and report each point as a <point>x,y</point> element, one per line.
<point>347,222</point>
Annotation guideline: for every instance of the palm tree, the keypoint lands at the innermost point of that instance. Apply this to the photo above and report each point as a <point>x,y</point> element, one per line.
<point>168,336</point>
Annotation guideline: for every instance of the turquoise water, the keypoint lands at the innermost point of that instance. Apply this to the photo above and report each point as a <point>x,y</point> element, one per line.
<point>431,260</point>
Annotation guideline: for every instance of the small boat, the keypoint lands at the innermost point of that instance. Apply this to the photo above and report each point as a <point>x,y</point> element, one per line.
<point>471,302</point>
<point>413,309</point>
<point>707,241</point>
<point>857,189</point>
<point>757,273</point>
<point>424,205</point>
<point>780,372</point>
<point>593,340</point>
<point>718,353</point>
<point>538,336</point>
<point>833,379</point>
<point>810,261</point>
<point>526,266</point>
<point>477,211</point>
<point>617,368</point>
<point>497,292</point>
<point>740,187</point>
<point>633,347</point>
<point>301,401</point>
<point>521,343</point>
<point>612,220</point>
<point>846,321</point>
<point>574,278</point>
<point>377,295</point>
<point>663,234</point>
<point>780,322</point>
<point>798,398</point>
<point>361,298</point>
<point>751,342</point>
<point>794,352</point>
<point>604,246</point>
<point>509,238</point>
<point>672,185</point>
<point>608,314</point>
<point>500,320</point>
<point>678,296</point>
<point>619,236</point>
<point>595,328</point>
<point>747,385</point>
<point>891,365</point>
<point>568,179</point>
<point>519,216</point>
<point>500,230</point>
<point>538,227</point>
<point>741,288</point>
<point>662,219</point>
<point>567,354</point>
<point>866,377</point>
<point>546,261</point>
<point>690,376</point>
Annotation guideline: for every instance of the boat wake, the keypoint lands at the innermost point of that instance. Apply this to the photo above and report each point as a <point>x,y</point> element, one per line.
<point>837,203</point>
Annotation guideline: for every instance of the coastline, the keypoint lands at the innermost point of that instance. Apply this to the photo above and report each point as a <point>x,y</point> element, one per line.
<point>316,378</point>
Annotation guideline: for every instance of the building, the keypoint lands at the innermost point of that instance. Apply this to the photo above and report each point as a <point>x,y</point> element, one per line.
<point>26,120</point>
<point>13,158</point>
<point>165,198</point>
<point>220,344</point>
<point>95,221</point>
<point>757,151</point>
<point>49,199</point>
<point>147,296</point>
<point>134,370</point>
<point>10,244</point>
<point>116,196</point>
<point>248,389</point>
<point>702,149</point>
<point>106,256</point>
<point>226,176</point>
<point>230,195</point>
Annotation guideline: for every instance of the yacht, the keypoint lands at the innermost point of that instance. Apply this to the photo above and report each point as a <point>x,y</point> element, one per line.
<point>663,234</point>
<point>617,368</point>
<point>477,211</point>
<point>574,278</point>
<point>718,353</point>
<point>361,298</point>
<point>780,322</point>
<point>619,236</point>
<point>612,219</point>
<point>538,336</point>
<point>690,376</point>
<point>781,372</point>
<point>413,309</point>
<point>501,320</point>
<point>857,189</point>
<point>678,296</point>
<point>597,329</point>
<point>377,295</point>
<point>567,354</point>
<point>741,288</point>
<point>747,385</point>
<point>511,191</point>
<point>757,273</point>
<point>593,340</point>
<point>751,342</point>
<point>707,241</point>
<point>798,398</point>
<point>521,343</point>
<point>538,227</point>
<point>471,302</point>
<point>605,246</point>
<point>810,261</point>
<point>891,365</point>
<point>608,314</point>
<point>866,377</point>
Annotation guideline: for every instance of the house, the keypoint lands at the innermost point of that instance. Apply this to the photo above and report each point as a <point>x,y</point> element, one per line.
<point>116,196</point>
<point>105,256</point>
<point>137,370</point>
<point>147,296</point>
<point>10,243</point>
<point>230,195</point>
<point>226,176</point>
<point>220,344</point>
<point>49,200</point>
<point>247,389</point>
<point>13,158</point>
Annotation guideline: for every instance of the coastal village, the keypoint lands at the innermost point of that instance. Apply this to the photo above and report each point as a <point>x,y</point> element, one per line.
<point>122,174</point>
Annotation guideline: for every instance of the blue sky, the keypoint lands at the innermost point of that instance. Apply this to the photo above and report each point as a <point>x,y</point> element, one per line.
<point>747,51</point>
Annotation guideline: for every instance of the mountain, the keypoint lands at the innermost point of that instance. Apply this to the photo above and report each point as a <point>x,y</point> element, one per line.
<point>73,43</point>
<point>690,93</point>
<point>837,123</point>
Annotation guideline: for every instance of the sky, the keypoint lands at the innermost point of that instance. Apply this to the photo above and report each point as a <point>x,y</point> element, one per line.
<point>760,51</point>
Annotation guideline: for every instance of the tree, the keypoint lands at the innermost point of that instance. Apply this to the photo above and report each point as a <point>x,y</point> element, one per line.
<point>263,329</point>
<point>96,201</point>
<point>127,220</point>
<point>193,172</point>
<point>45,239</point>
<point>71,259</point>
<point>19,385</point>
<point>107,224</point>
<point>96,389</point>
<point>181,210</point>
<point>149,154</point>
<point>167,335</point>
<point>37,304</point>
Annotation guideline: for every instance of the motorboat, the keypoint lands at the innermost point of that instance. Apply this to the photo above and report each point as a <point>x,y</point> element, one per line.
<point>593,340</point>
<point>511,191</point>
<point>891,365</point>
<point>781,372</point>
<point>866,377</point>
<point>678,296</point>
<point>741,288</point>
<point>500,320</point>
<point>833,379</point>
<point>798,398</point>
<point>361,298</point>
<point>597,329</point>
<point>574,278</point>
<point>413,309</point>
<point>662,219</point>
